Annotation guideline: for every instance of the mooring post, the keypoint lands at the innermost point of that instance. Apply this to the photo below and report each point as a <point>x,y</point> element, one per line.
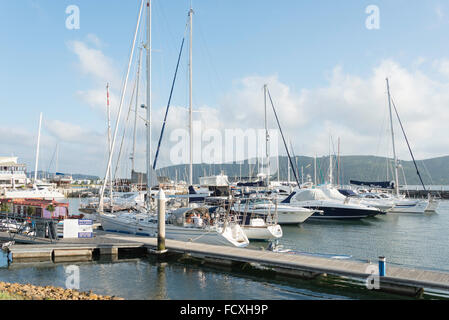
<point>382,266</point>
<point>161,220</point>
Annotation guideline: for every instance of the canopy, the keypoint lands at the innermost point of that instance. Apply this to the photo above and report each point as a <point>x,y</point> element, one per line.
<point>380,184</point>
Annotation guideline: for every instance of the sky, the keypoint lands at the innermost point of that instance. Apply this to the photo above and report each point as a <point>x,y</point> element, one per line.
<point>325,63</point>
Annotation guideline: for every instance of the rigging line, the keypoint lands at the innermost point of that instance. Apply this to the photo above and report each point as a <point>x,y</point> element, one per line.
<point>409,148</point>
<point>102,190</point>
<point>52,158</point>
<point>294,157</point>
<point>282,134</point>
<point>168,105</point>
<point>125,127</point>
<point>208,55</point>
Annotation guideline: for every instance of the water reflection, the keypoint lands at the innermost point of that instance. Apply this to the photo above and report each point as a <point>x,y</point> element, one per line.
<point>160,286</point>
<point>3,259</point>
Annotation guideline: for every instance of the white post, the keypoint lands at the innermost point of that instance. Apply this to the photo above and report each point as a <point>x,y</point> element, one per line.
<point>37,149</point>
<point>161,220</point>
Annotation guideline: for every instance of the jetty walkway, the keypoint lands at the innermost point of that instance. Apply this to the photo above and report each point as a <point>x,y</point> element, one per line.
<point>399,280</point>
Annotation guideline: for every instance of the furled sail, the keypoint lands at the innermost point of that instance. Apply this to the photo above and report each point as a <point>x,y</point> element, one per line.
<point>380,184</point>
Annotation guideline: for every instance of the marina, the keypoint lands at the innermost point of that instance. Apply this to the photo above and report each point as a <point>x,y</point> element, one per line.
<point>409,268</point>
<point>164,182</point>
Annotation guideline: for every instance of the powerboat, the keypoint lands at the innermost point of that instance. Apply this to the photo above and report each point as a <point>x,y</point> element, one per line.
<point>286,214</point>
<point>329,204</point>
<point>38,192</point>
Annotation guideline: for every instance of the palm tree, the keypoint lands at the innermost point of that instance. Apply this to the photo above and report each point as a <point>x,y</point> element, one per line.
<point>51,208</point>
<point>5,207</point>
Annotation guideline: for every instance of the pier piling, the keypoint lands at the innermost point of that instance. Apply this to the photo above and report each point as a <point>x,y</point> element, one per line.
<point>161,221</point>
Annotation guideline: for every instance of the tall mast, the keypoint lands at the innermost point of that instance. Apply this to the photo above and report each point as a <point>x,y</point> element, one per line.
<point>190,98</point>
<point>109,142</point>
<point>338,163</point>
<point>57,157</point>
<point>396,176</point>
<point>133,157</point>
<point>267,138</point>
<point>330,169</point>
<point>148,157</point>
<point>108,167</point>
<point>37,149</point>
<point>314,170</point>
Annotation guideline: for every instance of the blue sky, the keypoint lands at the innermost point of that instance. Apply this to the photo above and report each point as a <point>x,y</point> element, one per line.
<point>307,49</point>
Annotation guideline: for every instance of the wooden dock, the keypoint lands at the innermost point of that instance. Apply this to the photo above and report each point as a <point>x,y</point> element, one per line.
<point>399,280</point>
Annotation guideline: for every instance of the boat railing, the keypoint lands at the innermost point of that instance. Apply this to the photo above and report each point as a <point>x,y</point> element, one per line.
<point>28,227</point>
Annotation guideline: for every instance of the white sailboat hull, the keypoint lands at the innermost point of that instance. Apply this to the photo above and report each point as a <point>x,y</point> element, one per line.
<point>264,233</point>
<point>413,206</point>
<point>232,235</point>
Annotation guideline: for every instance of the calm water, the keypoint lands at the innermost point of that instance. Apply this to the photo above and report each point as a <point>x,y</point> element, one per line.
<point>419,240</point>
<point>405,239</point>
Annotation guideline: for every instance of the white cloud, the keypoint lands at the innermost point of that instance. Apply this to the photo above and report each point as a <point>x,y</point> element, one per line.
<point>92,38</point>
<point>93,62</point>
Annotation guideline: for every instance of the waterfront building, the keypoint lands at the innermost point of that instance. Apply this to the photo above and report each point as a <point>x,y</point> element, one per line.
<point>39,208</point>
<point>12,173</point>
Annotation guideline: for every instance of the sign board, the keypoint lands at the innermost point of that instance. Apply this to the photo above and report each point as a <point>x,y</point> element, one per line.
<point>78,228</point>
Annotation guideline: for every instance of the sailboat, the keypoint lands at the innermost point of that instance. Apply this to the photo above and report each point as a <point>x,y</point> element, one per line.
<point>39,190</point>
<point>183,224</point>
<point>400,203</point>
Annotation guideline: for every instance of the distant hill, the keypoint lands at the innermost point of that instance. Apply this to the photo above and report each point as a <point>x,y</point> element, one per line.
<point>75,176</point>
<point>367,168</point>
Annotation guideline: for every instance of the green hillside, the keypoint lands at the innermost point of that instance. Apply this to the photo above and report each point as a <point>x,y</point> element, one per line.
<point>368,168</point>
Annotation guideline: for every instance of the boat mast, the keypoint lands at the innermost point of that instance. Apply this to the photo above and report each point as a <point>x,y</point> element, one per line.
<point>109,142</point>
<point>37,149</point>
<point>396,175</point>
<point>267,138</point>
<point>100,207</point>
<point>133,157</point>
<point>148,157</point>
<point>338,163</point>
<point>190,97</point>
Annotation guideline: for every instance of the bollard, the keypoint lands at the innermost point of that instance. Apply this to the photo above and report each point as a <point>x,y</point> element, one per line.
<point>161,220</point>
<point>382,266</point>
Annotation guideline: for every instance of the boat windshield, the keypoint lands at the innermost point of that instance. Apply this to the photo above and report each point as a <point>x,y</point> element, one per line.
<point>310,194</point>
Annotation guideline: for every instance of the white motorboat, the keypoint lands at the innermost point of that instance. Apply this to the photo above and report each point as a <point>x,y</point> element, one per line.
<point>392,203</point>
<point>38,192</point>
<point>286,214</point>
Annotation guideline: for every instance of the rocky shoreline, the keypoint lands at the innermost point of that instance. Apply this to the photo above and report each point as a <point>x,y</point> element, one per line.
<point>30,292</point>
